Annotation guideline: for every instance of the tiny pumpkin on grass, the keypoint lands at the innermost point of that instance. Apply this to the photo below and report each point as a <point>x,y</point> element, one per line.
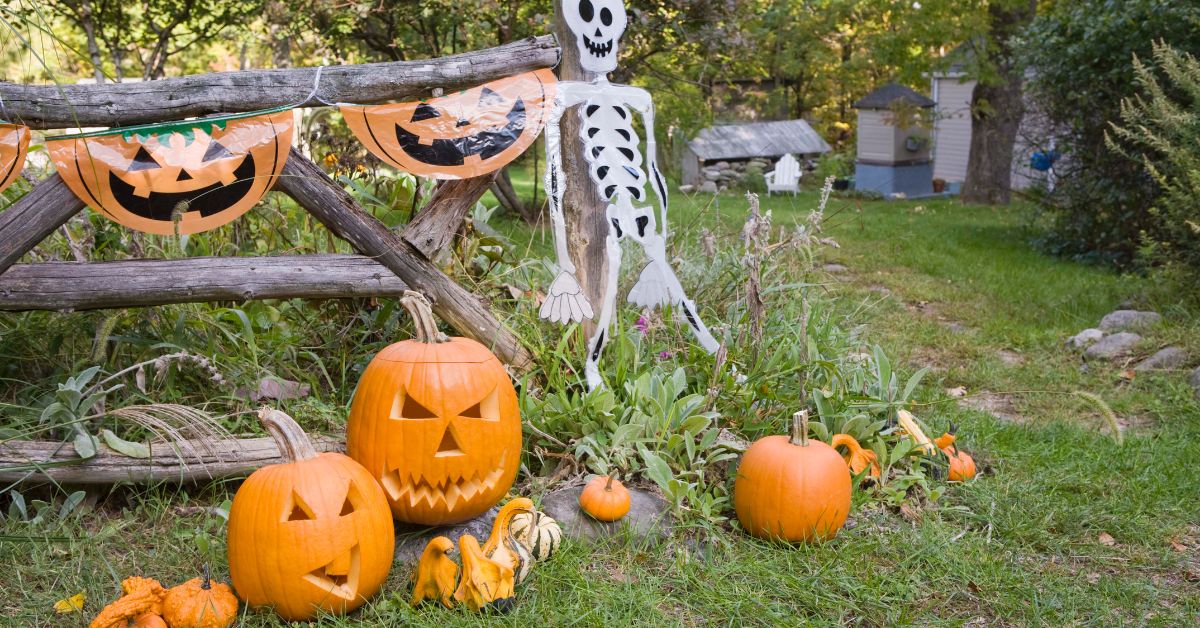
<point>142,595</point>
<point>484,581</point>
<point>605,498</point>
<point>147,620</point>
<point>792,488</point>
<point>436,574</point>
<point>962,465</point>
<point>200,603</point>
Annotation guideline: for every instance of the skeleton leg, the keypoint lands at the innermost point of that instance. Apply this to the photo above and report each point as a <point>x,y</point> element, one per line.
<point>612,244</point>
<point>565,301</point>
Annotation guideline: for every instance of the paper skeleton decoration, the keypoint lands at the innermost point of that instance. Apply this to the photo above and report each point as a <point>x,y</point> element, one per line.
<point>620,174</point>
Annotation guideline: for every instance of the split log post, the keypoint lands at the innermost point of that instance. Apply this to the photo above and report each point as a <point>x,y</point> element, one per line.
<point>435,225</point>
<point>40,461</point>
<point>35,216</point>
<point>329,203</point>
<point>584,212</point>
<point>124,104</point>
<point>72,286</point>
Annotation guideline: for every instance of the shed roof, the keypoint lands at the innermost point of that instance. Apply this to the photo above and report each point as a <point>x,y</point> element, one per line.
<point>758,139</point>
<point>890,93</point>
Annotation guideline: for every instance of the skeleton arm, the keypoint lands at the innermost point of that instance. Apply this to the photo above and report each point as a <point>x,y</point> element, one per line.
<point>565,301</point>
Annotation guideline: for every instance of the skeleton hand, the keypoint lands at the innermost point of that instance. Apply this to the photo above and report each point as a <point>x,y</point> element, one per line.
<point>566,302</point>
<point>653,288</point>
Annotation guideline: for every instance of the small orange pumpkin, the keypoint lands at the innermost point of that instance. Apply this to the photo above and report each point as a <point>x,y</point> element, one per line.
<point>857,457</point>
<point>466,134</point>
<point>311,534</point>
<point>142,596</point>
<point>794,488</point>
<point>605,498</point>
<point>962,465</point>
<point>147,620</point>
<point>435,420</point>
<point>200,603</point>
<point>208,171</point>
<point>14,145</point>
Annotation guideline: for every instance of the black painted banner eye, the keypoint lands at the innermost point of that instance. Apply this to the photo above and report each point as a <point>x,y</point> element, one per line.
<point>488,98</point>
<point>216,151</point>
<point>424,111</point>
<point>143,161</point>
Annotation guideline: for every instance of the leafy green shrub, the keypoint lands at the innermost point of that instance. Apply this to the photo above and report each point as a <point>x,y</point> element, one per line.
<point>1162,130</point>
<point>834,164</point>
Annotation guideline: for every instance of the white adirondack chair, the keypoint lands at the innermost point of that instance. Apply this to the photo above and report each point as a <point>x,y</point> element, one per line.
<point>785,177</point>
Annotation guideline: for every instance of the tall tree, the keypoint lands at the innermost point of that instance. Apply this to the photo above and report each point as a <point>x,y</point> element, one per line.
<point>997,103</point>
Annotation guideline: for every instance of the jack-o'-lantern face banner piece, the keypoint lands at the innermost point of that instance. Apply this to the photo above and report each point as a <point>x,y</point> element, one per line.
<point>467,134</point>
<point>14,144</point>
<point>199,173</point>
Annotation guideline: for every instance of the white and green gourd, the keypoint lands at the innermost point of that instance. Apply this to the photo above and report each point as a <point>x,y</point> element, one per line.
<point>538,532</point>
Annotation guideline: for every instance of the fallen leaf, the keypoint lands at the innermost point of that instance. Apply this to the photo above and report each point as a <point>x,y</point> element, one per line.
<point>139,378</point>
<point>72,604</point>
<point>1178,547</point>
<point>1106,539</point>
<point>1127,375</point>
<point>516,292</point>
<point>957,391</point>
<point>124,447</point>
<point>1093,578</point>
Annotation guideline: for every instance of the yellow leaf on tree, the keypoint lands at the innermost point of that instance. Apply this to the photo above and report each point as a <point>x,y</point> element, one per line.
<point>71,604</point>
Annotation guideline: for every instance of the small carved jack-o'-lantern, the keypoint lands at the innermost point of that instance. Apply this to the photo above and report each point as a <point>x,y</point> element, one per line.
<point>312,534</point>
<point>14,145</point>
<point>435,419</point>
<point>199,174</point>
<point>467,134</point>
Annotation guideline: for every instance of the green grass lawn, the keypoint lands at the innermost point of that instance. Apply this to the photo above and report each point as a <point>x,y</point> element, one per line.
<point>1063,527</point>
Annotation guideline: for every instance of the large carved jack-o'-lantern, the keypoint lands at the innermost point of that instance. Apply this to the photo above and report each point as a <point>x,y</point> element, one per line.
<point>183,177</point>
<point>313,534</point>
<point>436,421</point>
<point>14,144</point>
<point>467,134</point>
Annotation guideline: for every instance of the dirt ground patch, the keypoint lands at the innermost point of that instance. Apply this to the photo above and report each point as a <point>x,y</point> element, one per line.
<point>999,405</point>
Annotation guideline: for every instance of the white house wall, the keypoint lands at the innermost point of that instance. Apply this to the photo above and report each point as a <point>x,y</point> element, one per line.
<point>952,128</point>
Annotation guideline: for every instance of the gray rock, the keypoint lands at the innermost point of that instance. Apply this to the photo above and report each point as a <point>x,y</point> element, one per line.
<point>1113,346</point>
<point>721,165</point>
<point>834,268</point>
<point>412,539</point>
<point>1169,358</point>
<point>712,175</point>
<point>709,187</point>
<point>1122,320</point>
<point>647,518</point>
<point>687,188</point>
<point>1084,338</point>
<point>1194,380</point>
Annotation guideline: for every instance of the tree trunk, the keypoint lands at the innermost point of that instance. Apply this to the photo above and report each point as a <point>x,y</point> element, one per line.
<point>510,200</point>
<point>89,30</point>
<point>997,106</point>
<point>587,225</point>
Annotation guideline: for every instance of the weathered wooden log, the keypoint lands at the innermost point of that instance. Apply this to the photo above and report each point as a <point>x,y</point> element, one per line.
<point>70,286</point>
<point>124,104</point>
<point>329,203</point>
<point>435,225</point>
<point>40,461</point>
<point>36,215</point>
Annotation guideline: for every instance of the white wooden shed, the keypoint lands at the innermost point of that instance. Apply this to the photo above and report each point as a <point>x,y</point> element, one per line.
<point>893,155</point>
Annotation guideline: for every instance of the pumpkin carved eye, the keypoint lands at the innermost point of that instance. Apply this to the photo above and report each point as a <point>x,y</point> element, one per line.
<point>405,407</point>
<point>300,510</point>
<point>487,408</point>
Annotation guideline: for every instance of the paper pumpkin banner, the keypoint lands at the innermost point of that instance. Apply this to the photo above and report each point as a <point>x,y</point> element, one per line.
<point>180,177</point>
<point>14,144</point>
<point>467,134</point>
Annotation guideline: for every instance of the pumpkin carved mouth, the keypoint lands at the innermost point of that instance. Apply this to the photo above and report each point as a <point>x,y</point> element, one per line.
<point>417,489</point>
<point>339,577</point>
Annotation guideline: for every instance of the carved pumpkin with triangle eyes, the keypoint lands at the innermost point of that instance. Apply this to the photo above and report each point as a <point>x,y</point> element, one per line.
<point>203,173</point>
<point>467,134</point>
<point>436,421</point>
<point>14,145</point>
<point>312,534</point>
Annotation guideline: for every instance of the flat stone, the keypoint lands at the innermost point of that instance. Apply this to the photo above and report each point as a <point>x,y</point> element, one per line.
<point>411,539</point>
<point>834,268</point>
<point>721,165</point>
<point>1085,338</point>
<point>687,189</point>
<point>1194,380</point>
<point>1113,346</point>
<point>1122,320</point>
<point>1169,358</point>
<point>647,518</point>
<point>709,187</point>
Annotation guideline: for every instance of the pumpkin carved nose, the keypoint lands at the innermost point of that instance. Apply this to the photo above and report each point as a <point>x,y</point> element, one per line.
<point>449,445</point>
<point>340,566</point>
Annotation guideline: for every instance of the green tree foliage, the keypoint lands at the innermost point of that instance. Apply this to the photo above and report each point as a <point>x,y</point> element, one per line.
<point>1082,56</point>
<point>1161,129</point>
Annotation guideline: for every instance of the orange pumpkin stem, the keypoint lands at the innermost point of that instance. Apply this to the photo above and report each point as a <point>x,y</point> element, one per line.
<point>800,428</point>
<point>422,314</point>
<point>293,443</point>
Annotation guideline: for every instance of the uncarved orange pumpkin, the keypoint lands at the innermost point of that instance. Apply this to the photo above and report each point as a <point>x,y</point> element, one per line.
<point>312,534</point>
<point>465,134</point>
<point>205,173</point>
<point>605,498</point>
<point>200,603</point>
<point>435,420</point>
<point>793,489</point>
<point>962,465</point>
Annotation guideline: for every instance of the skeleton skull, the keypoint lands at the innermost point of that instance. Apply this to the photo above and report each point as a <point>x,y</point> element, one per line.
<point>598,25</point>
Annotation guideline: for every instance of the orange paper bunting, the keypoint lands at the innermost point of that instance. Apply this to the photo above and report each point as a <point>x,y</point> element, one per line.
<point>473,132</point>
<point>14,144</point>
<point>181,177</point>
